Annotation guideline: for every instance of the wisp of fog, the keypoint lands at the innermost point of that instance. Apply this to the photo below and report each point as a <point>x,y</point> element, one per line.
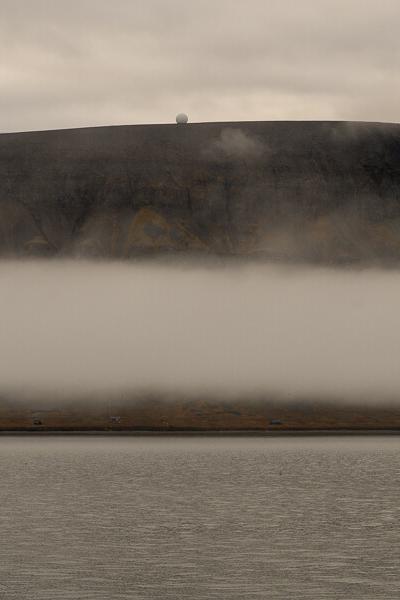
<point>88,328</point>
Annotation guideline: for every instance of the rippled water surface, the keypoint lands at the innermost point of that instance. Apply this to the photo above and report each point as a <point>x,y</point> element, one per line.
<point>236,518</point>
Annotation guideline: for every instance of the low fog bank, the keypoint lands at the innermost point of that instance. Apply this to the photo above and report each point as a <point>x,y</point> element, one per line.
<point>73,329</point>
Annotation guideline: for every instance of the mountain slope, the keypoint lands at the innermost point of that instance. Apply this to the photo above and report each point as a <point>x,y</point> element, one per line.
<point>311,191</point>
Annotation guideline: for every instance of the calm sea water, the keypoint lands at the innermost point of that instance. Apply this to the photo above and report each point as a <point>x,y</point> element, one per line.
<point>237,518</point>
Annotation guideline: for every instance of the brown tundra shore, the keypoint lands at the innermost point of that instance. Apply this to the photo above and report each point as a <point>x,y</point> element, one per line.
<point>198,416</point>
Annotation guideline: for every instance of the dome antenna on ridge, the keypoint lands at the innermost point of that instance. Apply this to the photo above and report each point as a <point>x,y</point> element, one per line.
<point>182,119</point>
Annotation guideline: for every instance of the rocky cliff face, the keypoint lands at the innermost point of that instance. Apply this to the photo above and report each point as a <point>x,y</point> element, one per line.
<point>322,192</point>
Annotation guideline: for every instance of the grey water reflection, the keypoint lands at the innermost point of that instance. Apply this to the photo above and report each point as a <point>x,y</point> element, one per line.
<point>140,518</point>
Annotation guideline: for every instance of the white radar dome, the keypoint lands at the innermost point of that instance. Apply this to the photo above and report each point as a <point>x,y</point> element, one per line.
<point>182,119</point>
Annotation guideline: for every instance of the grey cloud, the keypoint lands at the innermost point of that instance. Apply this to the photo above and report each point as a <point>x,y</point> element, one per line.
<point>94,62</point>
<point>235,144</point>
<point>89,328</point>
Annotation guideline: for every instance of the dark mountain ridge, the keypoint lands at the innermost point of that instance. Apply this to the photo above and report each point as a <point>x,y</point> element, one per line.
<point>306,191</point>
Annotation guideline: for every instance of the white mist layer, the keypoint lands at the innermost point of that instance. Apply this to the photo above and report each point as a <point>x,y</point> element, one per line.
<point>86,328</point>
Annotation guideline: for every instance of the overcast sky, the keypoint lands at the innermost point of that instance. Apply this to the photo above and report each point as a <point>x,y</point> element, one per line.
<point>73,63</point>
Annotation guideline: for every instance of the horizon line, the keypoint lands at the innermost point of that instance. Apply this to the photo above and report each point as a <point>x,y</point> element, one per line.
<point>195,123</point>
